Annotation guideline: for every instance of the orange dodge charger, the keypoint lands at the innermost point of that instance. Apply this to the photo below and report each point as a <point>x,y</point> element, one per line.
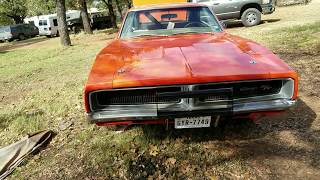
<point>174,64</point>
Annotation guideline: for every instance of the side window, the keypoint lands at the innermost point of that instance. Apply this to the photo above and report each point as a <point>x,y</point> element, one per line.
<point>55,22</point>
<point>43,22</point>
<point>26,28</point>
<point>7,29</point>
<point>205,17</point>
<point>20,28</point>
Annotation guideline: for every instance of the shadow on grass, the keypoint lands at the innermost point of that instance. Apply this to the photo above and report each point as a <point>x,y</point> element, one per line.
<point>236,24</point>
<point>18,44</point>
<point>2,52</point>
<point>108,31</point>
<point>287,137</point>
<point>299,118</point>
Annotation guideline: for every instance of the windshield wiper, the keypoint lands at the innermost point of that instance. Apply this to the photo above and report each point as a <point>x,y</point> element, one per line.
<point>193,32</point>
<point>149,35</point>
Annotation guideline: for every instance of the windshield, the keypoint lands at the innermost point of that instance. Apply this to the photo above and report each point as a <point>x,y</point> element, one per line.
<point>4,29</point>
<point>164,22</point>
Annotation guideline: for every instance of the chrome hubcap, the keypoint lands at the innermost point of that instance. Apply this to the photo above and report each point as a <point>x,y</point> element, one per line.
<point>251,17</point>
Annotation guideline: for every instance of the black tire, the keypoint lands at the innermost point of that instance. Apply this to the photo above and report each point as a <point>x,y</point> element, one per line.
<point>48,36</point>
<point>75,29</point>
<point>21,37</point>
<point>251,17</point>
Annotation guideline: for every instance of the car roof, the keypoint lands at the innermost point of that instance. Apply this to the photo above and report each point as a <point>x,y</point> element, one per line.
<point>166,6</point>
<point>16,25</point>
<point>48,16</point>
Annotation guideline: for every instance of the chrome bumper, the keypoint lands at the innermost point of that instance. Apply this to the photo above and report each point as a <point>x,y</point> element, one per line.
<point>268,8</point>
<point>150,112</point>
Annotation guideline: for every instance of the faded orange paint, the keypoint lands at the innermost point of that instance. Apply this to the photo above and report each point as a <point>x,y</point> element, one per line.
<point>183,59</point>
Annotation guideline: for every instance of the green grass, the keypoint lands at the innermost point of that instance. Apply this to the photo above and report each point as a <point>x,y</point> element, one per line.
<point>48,79</point>
<point>42,87</point>
<point>304,38</point>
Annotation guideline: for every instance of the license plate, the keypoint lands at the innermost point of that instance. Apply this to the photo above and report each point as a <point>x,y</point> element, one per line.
<point>192,122</point>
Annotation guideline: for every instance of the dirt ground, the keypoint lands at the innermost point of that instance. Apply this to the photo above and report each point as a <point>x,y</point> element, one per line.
<point>290,147</point>
<point>280,147</point>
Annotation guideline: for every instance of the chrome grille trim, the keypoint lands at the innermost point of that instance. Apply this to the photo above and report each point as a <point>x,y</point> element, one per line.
<point>190,104</point>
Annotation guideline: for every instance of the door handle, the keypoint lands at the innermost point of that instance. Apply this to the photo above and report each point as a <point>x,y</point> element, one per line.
<point>216,3</point>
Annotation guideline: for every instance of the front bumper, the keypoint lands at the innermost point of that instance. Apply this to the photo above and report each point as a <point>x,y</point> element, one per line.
<point>45,33</point>
<point>5,38</point>
<point>268,8</point>
<point>150,112</point>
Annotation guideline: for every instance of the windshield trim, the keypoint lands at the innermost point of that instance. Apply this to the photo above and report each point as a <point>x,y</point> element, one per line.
<point>134,10</point>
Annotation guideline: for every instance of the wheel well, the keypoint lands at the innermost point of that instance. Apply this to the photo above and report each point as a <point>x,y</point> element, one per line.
<point>251,5</point>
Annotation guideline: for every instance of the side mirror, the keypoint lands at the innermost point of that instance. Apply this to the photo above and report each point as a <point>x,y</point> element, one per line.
<point>223,24</point>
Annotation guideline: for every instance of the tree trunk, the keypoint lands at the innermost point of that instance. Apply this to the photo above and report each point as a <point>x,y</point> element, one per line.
<point>119,8</point>
<point>85,17</point>
<point>111,13</point>
<point>62,23</point>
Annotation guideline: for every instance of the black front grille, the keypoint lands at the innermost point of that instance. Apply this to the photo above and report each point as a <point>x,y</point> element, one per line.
<point>211,93</point>
<point>245,89</point>
<point>135,96</point>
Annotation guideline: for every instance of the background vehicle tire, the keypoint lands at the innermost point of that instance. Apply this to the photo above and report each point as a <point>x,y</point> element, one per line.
<point>21,37</point>
<point>48,36</point>
<point>251,17</point>
<point>75,29</point>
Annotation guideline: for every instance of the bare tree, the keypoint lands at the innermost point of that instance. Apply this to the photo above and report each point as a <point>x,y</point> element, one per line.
<point>62,23</point>
<point>85,17</point>
<point>108,3</point>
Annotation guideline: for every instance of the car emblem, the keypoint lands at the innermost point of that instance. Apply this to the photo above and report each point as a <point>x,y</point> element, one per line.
<point>265,87</point>
<point>252,61</point>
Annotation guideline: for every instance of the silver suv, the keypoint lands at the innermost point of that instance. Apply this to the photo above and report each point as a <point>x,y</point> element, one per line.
<point>18,31</point>
<point>248,11</point>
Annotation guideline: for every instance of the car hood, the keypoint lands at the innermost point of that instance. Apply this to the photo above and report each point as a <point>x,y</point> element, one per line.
<point>184,59</point>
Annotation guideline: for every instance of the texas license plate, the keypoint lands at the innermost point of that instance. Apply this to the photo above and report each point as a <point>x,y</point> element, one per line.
<point>192,122</point>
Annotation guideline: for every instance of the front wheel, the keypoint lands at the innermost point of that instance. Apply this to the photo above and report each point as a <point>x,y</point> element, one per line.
<point>21,37</point>
<point>251,17</point>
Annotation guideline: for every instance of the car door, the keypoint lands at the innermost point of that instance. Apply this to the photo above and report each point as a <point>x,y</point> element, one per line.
<point>216,5</point>
<point>224,9</point>
<point>26,30</point>
<point>5,32</point>
<point>43,27</point>
<point>33,30</point>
